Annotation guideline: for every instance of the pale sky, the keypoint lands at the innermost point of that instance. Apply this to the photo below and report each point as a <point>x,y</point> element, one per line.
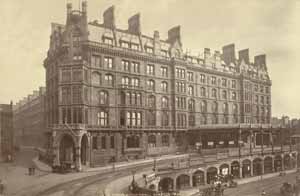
<point>263,26</point>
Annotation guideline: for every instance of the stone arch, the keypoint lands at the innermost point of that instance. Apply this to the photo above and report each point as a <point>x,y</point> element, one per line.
<point>67,149</point>
<point>257,166</point>
<point>268,165</point>
<point>246,168</point>
<point>198,178</point>
<point>277,163</point>
<point>235,169</point>
<point>224,169</point>
<point>211,173</point>
<point>166,184</point>
<point>183,181</point>
<point>84,150</point>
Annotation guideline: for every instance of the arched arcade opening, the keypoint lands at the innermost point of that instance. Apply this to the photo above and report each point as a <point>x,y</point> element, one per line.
<point>198,178</point>
<point>235,169</point>
<point>268,165</point>
<point>67,150</point>
<point>166,184</point>
<point>183,181</point>
<point>246,168</point>
<point>257,167</point>
<point>84,151</point>
<point>212,173</point>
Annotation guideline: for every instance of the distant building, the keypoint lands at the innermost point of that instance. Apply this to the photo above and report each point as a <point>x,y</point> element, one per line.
<point>116,94</point>
<point>6,130</point>
<point>29,120</point>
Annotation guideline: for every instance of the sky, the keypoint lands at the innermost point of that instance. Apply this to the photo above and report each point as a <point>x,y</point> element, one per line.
<point>264,26</point>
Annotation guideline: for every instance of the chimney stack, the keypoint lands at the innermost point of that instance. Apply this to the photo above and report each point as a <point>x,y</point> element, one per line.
<point>229,53</point>
<point>69,8</point>
<point>84,7</point>
<point>174,34</point>
<point>134,25</point>
<point>260,60</point>
<point>206,53</point>
<point>244,55</point>
<point>109,18</point>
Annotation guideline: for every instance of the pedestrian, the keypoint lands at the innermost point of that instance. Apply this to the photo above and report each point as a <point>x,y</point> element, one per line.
<point>263,193</point>
<point>1,188</point>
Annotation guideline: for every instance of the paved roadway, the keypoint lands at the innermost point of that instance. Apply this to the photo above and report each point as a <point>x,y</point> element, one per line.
<point>270,185</point>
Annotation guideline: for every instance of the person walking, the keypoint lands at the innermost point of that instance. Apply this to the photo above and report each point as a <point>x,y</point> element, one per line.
<point>263,193</point>
<point>1,188</point>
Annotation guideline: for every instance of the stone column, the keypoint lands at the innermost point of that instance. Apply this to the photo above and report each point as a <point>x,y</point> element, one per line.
<point>241,169</point>
<point>271,140</point>
<point>56,155</point>
<point>273,164</point>
<point>251,168</point>
<point>174,184</point>
<point>282,163</point>
<point>262,166</point>
<point>191,180</point>
<point>205,177</point>
<point>78,158</point>
<point>251,142</point>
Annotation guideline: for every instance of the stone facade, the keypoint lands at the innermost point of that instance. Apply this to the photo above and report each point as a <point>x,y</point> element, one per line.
<point>6,131</point>
<point>29,120</point>
<point>134,95</point>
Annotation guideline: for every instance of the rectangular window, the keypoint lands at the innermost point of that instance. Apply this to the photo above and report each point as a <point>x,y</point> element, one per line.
<point>102,118</point>
<point>224,82</point>
<point>213,80</point>
<point>134,46</point>
<point>149,50</point>
<point>202,78</point>
<point>77,94</point>
<point>66,76</point>
<point>124,44</point>
<point>112,141</point>
<point>103,142</point>
<point>95,142</point>
<point>95,61</point>
<point>77,75</point>
<point>66,95</point>
<point>233,83</point>
<point>150,69</point>
<point>126,65</point>
<point>108,41</point>
<point>108,62</point>
<point>190,76</point>
<point>135,67</point>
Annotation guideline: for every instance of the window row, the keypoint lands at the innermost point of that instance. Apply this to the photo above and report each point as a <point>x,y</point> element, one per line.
<point>102,142</point>
<point>97,79</point>
<point>108,62</point>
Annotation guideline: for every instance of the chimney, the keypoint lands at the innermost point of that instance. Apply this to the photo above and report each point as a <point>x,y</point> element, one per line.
<point>206,53</point>
<point>244,55</point>
<point>84,7</point>
<point>109,18</point>
<point>228,53</point>
<point>69,8</point>
<point>134,25</point>
<point>260,60</point>
<point>156,35</point>
<point>174,34</point>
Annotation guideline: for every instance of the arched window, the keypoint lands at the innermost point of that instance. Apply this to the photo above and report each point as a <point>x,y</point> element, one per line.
<point>151,101</point>
<point>191,120</point>
<point>191,105</point>
<point>96,79</point>
<point>214,93</point>
<point>152,141</point>
<point>191,90</point>
<point>225,108</point>
<point>103,97</point>
<point>214,107</point>
<point>202,92</point>
<point>164,86</point>
<point>135,82</point>
<point>203,120</point>
<point>203,106</point>
<point>151,85</point>
<point>214,119</point>
<point>235,108</point>
<point>164,102</point>
<point>164,119</point>
<point>224,94</point>
<point>151,118</point>
<point>102,118</point>
<point>233,96</point>
<point>165,140</point>
<point>109,79</point>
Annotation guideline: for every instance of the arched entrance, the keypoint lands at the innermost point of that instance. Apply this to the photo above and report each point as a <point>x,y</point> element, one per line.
<point>166,184</point>
<point>183,181</point>
<point>235,169</point>
<point>246,168</point>
<point>277,163</point>
<point>287,161</point>
<point>84,149</point>
<point>198,178</point>
<point>212,173</point>
<point>66,150</point>
<point>268,165</point>
<point>257,167</point>
<point>224,169</point>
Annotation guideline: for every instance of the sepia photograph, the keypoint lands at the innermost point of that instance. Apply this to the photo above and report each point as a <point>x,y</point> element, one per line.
<point>149,98</point>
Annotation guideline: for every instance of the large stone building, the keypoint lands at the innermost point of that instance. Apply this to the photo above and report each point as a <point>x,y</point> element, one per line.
<point>115,94</point>
<point>30,120</point>
<point>6,131</point>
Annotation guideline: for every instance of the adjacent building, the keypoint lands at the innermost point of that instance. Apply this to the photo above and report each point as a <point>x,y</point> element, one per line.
<point>30,120</point>
<point>116,94</point>
<point>6,131</point>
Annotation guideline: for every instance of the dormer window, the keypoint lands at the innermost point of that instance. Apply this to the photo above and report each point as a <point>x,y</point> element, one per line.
<point>134,46</point>
<point>124,44</point>
<point>149,50</point>
<point>108,41</point>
